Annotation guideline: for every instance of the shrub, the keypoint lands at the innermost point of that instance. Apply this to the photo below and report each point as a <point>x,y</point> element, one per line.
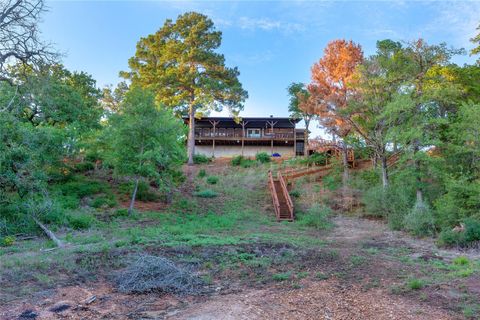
<point>212,180</point>
<point>79,220</point>
<point>7,241</point>
<point>281,276</point>
<point>263,157</point>
<point>415,284</point>
<point>247,163</point>
<point>84,166</point>
<point>200,159</point>
<point>144,192</point>
<point>420,221</point>
<point>461,261</point>
<point>104,201</point>
<point>314,159</point>
<point>202,173</point>
<point>317,216</point>
<point>207,193</point>
<point>237,160</point>
<point>449,238</point>
<point>295,193</point>
<point>121,212</point>
<point>68,201</point>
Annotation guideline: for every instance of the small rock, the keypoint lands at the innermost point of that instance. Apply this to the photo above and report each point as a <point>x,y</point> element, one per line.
<point>28,314</point>
<point>59,308</point>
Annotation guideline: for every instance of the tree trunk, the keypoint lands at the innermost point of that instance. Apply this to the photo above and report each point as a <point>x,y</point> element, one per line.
<point>384,171</point>
<point>305,140</point>
<point>49,233</point>
<point>416,164</point>
<point>191,135</point>
<point>134,195</point>
<point>345,176</point>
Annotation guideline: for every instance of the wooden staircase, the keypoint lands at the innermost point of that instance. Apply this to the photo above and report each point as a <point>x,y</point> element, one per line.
<point>282,202</point>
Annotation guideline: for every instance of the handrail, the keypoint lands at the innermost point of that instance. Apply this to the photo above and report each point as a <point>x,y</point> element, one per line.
<point>286,194</point>
<point>304,172</point>
<point>276,203</point>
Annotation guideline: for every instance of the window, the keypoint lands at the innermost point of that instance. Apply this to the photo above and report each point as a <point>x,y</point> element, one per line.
<point>253,133</point>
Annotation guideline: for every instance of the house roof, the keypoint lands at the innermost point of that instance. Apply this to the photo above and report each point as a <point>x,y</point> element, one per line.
<point>251,122</point>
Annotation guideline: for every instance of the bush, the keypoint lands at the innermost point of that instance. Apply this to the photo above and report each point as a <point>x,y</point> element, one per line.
<point>212,180</point>
<point>420,221</point>
<point>7,241</point>
<point>317,216</point>
<point>314,159</point>
<point>281,276</point>
<point>104,201</point>
<point>247,163</point>
<point>144,191</point>
<point>263,157</point>
<point>295,193</point>
<point>237,160</point>
<point>449,238</point>
<point>202,173</point>
<point>79,220</point>
<point>201,159</point>
<point>207,193</point>
<point>84,166</point>
<point>415,284</point>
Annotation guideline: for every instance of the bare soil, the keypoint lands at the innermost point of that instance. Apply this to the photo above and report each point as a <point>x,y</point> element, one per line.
<point>346,291</point>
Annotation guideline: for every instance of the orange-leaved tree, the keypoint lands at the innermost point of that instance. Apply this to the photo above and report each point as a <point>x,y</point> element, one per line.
<point>331,87</point>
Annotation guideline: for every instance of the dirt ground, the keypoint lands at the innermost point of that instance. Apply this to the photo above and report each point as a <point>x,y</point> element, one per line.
<point>338,296</point>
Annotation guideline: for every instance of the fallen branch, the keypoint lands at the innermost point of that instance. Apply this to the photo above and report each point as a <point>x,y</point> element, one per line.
<point>49,233</point>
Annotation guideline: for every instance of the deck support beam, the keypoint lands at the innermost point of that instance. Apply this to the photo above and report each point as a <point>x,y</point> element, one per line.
<point>214,124</point>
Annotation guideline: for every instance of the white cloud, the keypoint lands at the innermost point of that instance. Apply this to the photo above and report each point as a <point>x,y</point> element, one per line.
<point>267,24</point>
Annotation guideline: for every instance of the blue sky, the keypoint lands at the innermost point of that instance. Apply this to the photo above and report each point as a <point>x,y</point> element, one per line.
<point>272,43</point>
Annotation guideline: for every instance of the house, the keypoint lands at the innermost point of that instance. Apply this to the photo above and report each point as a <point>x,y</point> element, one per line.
<point>228,137</point>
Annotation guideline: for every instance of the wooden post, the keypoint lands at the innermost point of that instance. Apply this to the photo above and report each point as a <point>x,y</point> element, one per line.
<point>294,139</point>
<point>214,124</point>
<point>244,123</point>
<point>271,123</point>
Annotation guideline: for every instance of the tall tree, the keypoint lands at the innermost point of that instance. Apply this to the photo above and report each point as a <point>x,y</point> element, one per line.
<point>19,36</point>
<point>331,77</point>
<point>419,112</point>
<point>377,81</point>
<point>146,140</point>
<point>180,64</point>
<point>302,106</point>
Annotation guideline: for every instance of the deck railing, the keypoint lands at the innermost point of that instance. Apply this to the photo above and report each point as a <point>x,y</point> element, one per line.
<point>235,134</point>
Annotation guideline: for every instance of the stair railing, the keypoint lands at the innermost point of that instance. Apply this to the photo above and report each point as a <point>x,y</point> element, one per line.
<point>276,203</point>
<point>286,194</point>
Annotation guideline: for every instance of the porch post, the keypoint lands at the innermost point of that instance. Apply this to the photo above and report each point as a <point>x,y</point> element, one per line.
<point>243,134</point>
<point>214,124</point>
<point>272,123</point>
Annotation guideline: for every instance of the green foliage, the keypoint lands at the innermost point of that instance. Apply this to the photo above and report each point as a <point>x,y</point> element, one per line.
<point>104,201</point>
<point>144,191</point>
<point>420,221</point>
<point>201,159</point>
<point>202,173</point>
<point>461,261</point>
<point>237,161</point>
<point>212,180</point>
<point>317,216</point>
<point>279,277</point>
<point>415,284</point>
<point>80,220</point>
<point>314,159</point>
<point>295,193</point>
<point>207,193</point>
<point>263,157</point>
<point>7,241</point>
<point>247,163</point>
<point>471,233</point>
